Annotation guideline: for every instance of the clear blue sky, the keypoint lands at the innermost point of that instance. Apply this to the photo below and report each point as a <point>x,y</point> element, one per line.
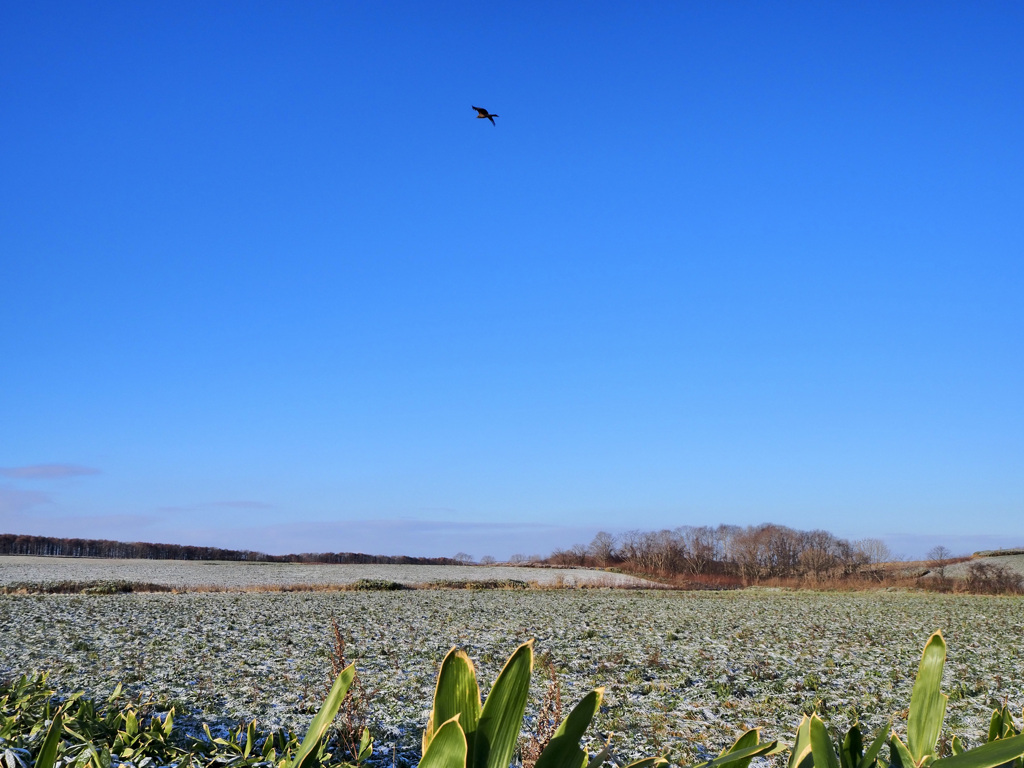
<point>266,281</point>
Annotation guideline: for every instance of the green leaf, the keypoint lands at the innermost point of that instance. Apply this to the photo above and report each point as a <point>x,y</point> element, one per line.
<point>563,751</point>
<point>365,746</point>
<point>648,762</point>
<point>853,748</point>
<point>899,754</point>
<point>927,702</point>
<point>801,752</point>
<point>48,753</point>
<point>821,745</point>
<point>168,724</point>
<point>250,739</point>
<point>957,746</point>
<point>758,750</point>
<point>746,740</point>
<point>324,717</point>
<point>502,715</point>
<point>447,748</point>
<point>871,756</point>
<point>456,693</point>
<point>995,725</point>
<point>986,756</point>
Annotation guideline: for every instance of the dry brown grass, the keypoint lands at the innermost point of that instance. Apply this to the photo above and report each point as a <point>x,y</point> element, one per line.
<point>549,716</point>
<point>352,718</point>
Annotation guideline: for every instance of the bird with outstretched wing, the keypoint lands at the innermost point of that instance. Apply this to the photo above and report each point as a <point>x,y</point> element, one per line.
<point>483,113</point>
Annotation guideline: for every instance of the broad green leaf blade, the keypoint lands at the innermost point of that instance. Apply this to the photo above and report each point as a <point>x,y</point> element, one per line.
<point>365,746</point>
<point>876,746</point>
<point>48,753</point>
<point>502,715</point>
<point>448,747</point>
<point>456,693</point>
<point>746,740</point>
<point>802,744</point>
<point>648,762</point>
<point>852,749</point>
<point>956,746</point>
<point>563,751</point>
<point>987,755</point>
<point>821,745</point>
<point>740,755</point>
<point>927,702</point>
<point>600,758</point>
<point>324,717</point>
<point>995,725</point>
<point>899,754</point>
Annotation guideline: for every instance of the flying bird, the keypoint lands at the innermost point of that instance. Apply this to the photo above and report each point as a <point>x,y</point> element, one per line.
<point>482,113</point>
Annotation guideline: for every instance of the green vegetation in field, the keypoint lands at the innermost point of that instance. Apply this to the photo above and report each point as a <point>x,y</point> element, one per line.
<point>39,731</point>
<point>1005,746</point>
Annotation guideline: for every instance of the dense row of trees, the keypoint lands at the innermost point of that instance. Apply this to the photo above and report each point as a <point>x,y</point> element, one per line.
<point>13,544</point>
<point>752,553</point>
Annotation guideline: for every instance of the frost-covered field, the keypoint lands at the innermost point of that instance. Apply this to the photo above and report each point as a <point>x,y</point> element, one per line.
<point>683,670</point>
<point>183,574</point>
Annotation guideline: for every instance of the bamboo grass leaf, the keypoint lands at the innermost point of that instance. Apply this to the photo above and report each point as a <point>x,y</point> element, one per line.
<point>456,693</point>
<point>740,755</point>
<point>322,721</point>
<point>852,749</point>
<point>648,762</point>
<point>746,740</point>
<point>501,717</point>
<point>900,754</point>
<point>447,748</point>
<point>563,751</point>
<point>871,756</point>
<point>801,751</point>
<point>987,755</point>
<point>821,745</point>
<point>48,753</point>
<point>927,702</point>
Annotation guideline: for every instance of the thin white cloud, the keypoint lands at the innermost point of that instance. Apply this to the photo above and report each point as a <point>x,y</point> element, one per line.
<point>47,471</point>
<point>14,501</point>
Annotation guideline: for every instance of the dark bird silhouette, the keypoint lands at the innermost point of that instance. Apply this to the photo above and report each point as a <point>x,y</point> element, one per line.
<point>482,113</point>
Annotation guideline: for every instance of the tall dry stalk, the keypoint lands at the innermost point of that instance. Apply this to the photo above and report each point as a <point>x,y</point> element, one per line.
<point>548,719</point>
<point>352,717</point>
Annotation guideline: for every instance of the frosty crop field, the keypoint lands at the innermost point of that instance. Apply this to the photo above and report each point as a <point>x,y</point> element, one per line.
<point>184,574</point>
<point>684,671</point>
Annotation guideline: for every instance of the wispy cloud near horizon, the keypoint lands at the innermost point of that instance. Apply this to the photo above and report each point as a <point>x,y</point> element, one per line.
<point>47,471</point>
<point>13,501</point>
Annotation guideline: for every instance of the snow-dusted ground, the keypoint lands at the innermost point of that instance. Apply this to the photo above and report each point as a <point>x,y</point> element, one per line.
<point>684,671</point>
<point>187,574</point>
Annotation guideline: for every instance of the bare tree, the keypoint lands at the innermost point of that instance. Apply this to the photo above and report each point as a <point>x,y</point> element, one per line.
<point>702,547</point>
<point>939,557</point>
<point>579,554</point>
<point>463,558</point>
<point>873,551</point>
<point>487,560</point>
<point>602,548</point>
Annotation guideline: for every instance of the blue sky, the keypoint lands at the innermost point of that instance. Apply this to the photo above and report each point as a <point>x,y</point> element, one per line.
<point>266,282</point>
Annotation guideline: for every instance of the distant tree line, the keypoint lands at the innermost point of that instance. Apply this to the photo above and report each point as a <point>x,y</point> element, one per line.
<point>50,546</point>
<point>752,553</point>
